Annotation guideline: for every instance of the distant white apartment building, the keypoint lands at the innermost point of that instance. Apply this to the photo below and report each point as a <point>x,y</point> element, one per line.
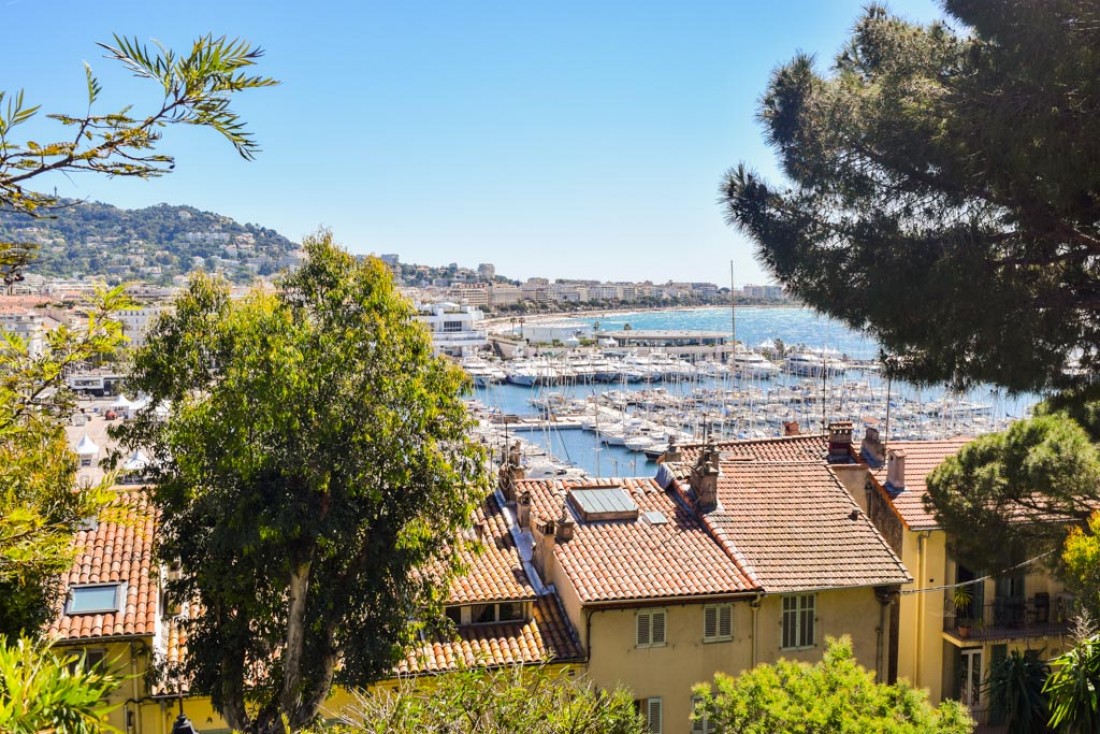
<point>763,292</point>
<point>136,322</point>
<point>456,329</point>
<point>473,294</point>
<point>28,326</point>
<point>504,294</point>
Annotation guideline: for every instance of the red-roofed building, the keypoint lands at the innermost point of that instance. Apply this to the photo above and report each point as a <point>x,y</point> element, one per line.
<point>666,591</point>
<point>112,609</point>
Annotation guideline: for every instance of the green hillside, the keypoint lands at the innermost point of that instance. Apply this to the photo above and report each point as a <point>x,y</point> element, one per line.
<point>152,245</point>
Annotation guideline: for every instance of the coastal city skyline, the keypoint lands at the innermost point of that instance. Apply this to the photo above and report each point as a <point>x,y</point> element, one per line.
<point>566,142</point>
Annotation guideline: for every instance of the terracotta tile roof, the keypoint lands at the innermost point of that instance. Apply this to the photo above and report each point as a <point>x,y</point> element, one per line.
<point>797,528</point>
<point>635,559</point>
<point>921,457</point>
<point>496,573</point>
<point>804,447</point>
<point>547,637</point>
<point>114,552</point>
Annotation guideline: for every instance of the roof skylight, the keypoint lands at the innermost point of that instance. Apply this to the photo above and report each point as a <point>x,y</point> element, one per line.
<point>603,503</point>
<point>95,599</point>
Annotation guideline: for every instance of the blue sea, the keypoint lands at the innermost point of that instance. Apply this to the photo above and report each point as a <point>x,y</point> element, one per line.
<point>755,326</point>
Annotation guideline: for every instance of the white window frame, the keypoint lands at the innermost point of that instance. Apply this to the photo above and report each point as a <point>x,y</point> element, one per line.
<point>713,623</point>
<point>646,623</point>
<point>119,604</point>
<point>799,611</point>
<point>701,725</point>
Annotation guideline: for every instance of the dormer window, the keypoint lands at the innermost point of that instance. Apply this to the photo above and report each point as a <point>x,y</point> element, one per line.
<point>96,599</point>
<point>489,613</point>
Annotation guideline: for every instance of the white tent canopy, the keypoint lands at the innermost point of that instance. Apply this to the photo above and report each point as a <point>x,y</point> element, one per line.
<point>86,447</point>
<point>137,462</point>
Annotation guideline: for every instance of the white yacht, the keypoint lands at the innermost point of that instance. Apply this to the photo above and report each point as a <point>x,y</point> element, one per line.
<point>752,365</point>
<point>810,364</point>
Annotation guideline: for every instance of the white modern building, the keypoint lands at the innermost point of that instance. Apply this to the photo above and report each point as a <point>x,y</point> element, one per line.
<point>456,329</point>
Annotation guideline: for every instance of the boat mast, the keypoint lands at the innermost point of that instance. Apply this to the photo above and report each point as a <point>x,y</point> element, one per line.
<point>733,313</point>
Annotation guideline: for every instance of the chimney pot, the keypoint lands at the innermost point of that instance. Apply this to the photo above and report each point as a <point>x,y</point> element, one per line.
<point>523,509</point>
<point>564,529</point>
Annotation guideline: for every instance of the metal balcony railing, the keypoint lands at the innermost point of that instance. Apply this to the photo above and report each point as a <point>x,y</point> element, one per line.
<point>1011,617</point>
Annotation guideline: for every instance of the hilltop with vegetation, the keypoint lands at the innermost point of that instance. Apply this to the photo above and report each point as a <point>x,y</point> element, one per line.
<point>155,244</point>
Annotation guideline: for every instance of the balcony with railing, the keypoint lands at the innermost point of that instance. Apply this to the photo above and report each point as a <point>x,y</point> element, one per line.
<point>1011,617</point>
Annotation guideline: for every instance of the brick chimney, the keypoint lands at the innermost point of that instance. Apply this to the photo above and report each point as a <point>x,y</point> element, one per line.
<point>871,450</point>
<point>895,472</point>
<point>840,442</point>
<point>523,509</point>
<point>704,478</point>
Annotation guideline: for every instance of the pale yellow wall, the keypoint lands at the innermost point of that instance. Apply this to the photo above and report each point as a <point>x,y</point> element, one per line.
<point>670,671</point>
<point>852,612</point>
<point>920,623</point>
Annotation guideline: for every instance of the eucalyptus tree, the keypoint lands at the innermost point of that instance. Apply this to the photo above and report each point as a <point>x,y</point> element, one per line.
<point>313,474</point>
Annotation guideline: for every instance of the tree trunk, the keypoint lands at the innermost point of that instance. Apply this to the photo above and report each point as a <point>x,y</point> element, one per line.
<point>291,695</point>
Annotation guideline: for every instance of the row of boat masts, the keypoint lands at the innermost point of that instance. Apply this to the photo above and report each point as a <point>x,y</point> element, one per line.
<point>584,368</point>
<point>647,419</point>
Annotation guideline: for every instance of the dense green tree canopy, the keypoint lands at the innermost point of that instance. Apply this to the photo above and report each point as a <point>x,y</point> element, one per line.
<point>944,189</point>
<point>833,696</point>
<point>313,464</point>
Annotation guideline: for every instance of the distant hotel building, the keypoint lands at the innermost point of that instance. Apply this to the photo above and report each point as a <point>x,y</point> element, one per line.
<point>455,328</point>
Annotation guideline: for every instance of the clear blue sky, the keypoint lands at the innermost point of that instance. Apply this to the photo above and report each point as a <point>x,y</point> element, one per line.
<point>564,139</point>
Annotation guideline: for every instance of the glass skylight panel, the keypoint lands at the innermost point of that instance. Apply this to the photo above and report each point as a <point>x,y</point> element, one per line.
<point>603,503</point>
<point>94,599</point>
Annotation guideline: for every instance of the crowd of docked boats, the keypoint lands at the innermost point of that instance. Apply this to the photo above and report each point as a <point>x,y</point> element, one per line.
<point>742,398</point>
<point>630,367</point>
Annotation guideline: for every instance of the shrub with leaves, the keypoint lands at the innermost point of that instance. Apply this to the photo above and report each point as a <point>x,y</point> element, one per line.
<point>517,699</point>
<point>835,695</point>
<point>42,692</point>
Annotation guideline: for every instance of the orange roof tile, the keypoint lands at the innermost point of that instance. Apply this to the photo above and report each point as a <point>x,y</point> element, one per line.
<point>797,528</point>
<point>546,637</point>
<point>616,560</point>
<point>921,457</point>
<point>496,573</point>
<point>803,447</point>
<point>114,552</point>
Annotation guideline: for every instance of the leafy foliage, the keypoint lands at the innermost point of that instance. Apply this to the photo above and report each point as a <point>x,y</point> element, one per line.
<point>313,467</point>
<point>39,510</point>
<point>835,695</point>
<point>41,691</point>
<point>1016,692</point>
<point>1081,564</point>
<point>1074,686</point>
<point>197,87</point>
<point>945,192</point>
<point>502,701</point>
<point>1009,495</point>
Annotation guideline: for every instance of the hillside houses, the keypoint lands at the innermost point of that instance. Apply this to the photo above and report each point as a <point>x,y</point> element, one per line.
<point>734,554</point>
